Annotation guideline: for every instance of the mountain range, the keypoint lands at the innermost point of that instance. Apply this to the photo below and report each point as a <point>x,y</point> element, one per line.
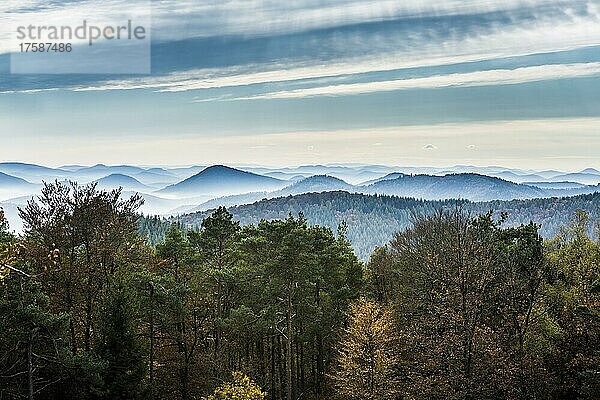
<point>179,190</point>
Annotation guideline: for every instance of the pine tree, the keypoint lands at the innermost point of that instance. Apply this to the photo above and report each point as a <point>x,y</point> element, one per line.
<point>34,358</point>
<point>120,346</point>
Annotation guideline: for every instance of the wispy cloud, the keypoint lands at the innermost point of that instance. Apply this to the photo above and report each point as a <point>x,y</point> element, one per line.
<point>503,41</point>
<point>214,18</point>
<point>479,78</point>
<point>412,37</point>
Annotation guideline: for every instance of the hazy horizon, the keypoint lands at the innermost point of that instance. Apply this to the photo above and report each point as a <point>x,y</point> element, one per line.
<point>432,165</point>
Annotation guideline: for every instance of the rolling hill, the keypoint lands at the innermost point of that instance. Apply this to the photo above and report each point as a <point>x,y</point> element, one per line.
<point>468,186</point>
<point>581,177</point>
<point>315,184</point>
<point>565,185</point>
<point>110,169</point>
<point>157,179</point>
<point>12,186</point>
<point>32,172</point>
<point>373,219</point>
<point>392,175</point>
<point>124,181</point>
<point>220,180</point>
<point>12,181</point>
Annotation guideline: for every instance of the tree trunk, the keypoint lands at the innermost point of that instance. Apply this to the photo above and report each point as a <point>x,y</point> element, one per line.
<point>151,355</point>
<point>30,365</point>
<point>288,346</point>
<point>184,373</point>
<point>272,391</point>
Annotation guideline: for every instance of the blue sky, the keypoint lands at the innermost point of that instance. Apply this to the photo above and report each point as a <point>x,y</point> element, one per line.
<point>511,82</point>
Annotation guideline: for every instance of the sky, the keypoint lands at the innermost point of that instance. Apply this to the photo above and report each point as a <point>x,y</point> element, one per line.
<point>422,83</point>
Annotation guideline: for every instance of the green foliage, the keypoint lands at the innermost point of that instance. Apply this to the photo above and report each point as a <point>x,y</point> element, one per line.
<point>6,240</point>
<point>572,302</point>
<point>32,349</point>
<point>153,228</point>
<point>459,304</point>
<point>119,346</point>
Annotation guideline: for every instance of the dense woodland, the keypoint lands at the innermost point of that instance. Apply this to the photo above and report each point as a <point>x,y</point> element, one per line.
<point>457,306</point>
<point>373,220</point>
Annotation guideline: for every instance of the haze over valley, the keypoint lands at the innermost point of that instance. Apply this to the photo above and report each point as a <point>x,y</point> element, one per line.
<point>187,194</point>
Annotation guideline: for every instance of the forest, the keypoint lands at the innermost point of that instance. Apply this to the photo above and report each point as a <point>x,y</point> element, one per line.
<point>458,305</point>
<point>372,220</point>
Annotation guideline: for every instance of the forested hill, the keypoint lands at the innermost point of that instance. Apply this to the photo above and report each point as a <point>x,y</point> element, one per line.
<point>550,213</point>
<point>373,219</point>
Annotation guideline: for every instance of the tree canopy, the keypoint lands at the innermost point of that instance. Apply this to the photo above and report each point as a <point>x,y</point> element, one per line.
<point>459,305</point>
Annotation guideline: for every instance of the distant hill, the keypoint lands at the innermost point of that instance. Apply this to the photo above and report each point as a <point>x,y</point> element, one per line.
<point>33,173</point>
<point>313,184</point>
<point>517,178</point>
<point>392,175</point>
<point>115,169</point>
<point>468,186</point>
<point>586,178</point>
<point>373,219</point>
<point>12,186</point>
<point>556,185</point>
<point>72,167</point>
<point>7,181</point>
<point>110,169</point>
<point>124,181</point>
<point>155,178</point>
<point>225,201</point>
<point>349,173</point>
<point>316,184</point>
<point>23,168</point>
<point>284,176</point>
<point>157,205</point>
<point>222,180</point>
<point>592,171</point>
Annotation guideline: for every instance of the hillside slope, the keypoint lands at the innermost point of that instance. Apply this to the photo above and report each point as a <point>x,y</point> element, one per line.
<point>373,219</point>
<point>221,180</point>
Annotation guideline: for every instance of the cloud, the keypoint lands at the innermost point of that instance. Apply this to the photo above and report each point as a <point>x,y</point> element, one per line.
<point>422,34</point>
<point>423,47</point>
<point>181,19</point>
<point>469,79</point>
